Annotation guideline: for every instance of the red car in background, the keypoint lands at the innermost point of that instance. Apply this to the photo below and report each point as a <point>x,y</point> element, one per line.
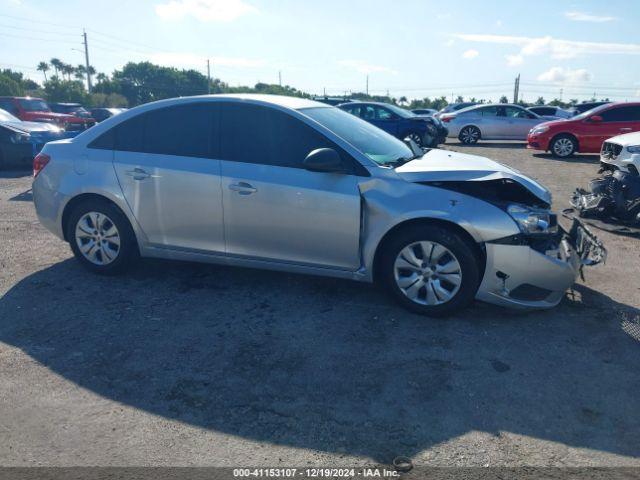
<point>30,109</point>
<point>586,132</point>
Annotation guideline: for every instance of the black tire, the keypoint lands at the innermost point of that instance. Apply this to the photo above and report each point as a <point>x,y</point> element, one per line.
<point>417,137</point>
<point>469,135</point>
<point>563,146</point>
<point>463,251</point>
<point>127,252</point>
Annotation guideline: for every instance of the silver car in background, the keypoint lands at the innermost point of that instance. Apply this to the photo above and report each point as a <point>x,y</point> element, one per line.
<point>491,122</point>
<point>290,184</point>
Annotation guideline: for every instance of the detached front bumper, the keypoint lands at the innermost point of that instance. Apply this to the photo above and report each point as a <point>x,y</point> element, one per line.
<point>520,276</point>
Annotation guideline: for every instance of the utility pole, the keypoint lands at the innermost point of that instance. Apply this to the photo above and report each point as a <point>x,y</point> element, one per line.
<point>561,92</point>
<point>516,89</point>
<point>208,77</point>
<point>324,92</point>
<point>86,57</point>
<point>367,85</point>
<point>280,77</point>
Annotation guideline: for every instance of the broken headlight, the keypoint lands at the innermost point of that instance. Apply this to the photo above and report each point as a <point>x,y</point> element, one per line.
<point>532,221</point>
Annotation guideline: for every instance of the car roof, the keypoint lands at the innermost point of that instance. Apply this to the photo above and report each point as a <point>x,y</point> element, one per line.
<point>364,102</point>
<point>67,104</point>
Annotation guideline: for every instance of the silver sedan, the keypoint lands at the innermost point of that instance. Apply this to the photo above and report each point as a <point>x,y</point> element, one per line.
<point>491,122</point>
<point>290,184</point>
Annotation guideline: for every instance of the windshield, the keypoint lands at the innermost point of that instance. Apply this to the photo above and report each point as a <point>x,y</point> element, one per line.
<point>588,113</point>
<point>34,105</point>
<point>400,111</point>
<point>7,117</point>
<point>375,143</point>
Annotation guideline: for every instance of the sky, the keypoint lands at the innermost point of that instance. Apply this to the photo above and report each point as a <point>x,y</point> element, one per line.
<point>411,48</point>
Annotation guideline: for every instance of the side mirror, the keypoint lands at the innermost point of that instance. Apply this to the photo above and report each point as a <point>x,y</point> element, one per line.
<point>595,119</point>
<point>324,160</point>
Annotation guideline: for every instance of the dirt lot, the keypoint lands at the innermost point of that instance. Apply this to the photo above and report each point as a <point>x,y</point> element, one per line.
<point>182,364</point>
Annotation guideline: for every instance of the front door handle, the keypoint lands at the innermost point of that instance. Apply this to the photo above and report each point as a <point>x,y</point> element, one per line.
<point>626,129</point>
<point>243,188</point>
<point>138,174</point>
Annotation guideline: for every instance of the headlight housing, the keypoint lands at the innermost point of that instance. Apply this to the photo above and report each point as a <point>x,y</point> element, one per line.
<point>533,221</point>
<point>633,149</point>
<point>538,130</point>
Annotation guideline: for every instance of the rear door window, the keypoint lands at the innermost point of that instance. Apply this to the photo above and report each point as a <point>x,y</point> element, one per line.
<point>627,113</point>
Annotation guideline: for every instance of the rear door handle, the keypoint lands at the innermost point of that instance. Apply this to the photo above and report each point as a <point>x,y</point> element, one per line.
<point>626,129</point>
<point>138,174</point>
<point>243,188</point>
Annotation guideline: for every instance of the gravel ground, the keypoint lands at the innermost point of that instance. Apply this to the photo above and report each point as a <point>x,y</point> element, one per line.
<point>185,364</point>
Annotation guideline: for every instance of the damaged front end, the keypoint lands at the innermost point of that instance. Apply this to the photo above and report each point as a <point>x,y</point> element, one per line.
<point>614,197</point>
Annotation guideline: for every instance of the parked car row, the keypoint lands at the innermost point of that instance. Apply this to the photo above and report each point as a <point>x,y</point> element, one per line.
<point>27,123</point>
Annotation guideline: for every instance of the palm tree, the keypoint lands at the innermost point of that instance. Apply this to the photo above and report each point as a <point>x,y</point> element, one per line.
<point>101,77</point>
<point>80,71</point>
<point>402,100</point>
<point>67,70</point>
<point>43,67</point>
<point>57,64</point>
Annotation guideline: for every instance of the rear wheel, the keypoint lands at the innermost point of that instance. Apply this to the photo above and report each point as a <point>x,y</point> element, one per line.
<point>469,135</point>
<point>430,270</point>
<point>563,146</point>
<point>101,237</point>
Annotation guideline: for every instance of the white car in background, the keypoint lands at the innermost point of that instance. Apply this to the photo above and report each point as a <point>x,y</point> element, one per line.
<point>622,153</point>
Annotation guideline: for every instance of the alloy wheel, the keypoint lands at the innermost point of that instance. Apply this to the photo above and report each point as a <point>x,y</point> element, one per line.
<point>427,273</point>
<point>416,138</point>
<point>469,135</point>
<point>563,147</point>
<point>98,238</point>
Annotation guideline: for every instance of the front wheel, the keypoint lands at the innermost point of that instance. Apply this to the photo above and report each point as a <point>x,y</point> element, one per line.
<point>469,135</point>
<point>416,137</point>
<point>431,270</point>
<point>563,146</point>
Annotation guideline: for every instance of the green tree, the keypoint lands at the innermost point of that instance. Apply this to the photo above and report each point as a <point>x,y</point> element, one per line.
<point>67,70</point>
<point>44,68</point>
<point>9,87</point>
<point>540,101</point>
<point>459,99</point>
<point>503,99</point>
<point>57,90</point>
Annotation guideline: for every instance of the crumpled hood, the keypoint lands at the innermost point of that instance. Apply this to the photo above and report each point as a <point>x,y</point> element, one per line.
<point>627,139</point>
<point>444,165</point>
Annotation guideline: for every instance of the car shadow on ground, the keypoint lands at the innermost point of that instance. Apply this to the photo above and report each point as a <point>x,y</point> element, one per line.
<point>592,159</point>
<point>26,196</point>
<point>488,144</point>
<point>328,364</point>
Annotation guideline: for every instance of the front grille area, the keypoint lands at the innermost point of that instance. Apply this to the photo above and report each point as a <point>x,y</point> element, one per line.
<point>610,150</point>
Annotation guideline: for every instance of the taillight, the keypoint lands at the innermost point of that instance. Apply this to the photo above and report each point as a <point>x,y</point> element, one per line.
<point>446,119</point>
<point>39,163</point>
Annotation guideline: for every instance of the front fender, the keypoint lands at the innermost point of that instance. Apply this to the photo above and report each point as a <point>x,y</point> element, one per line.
<point>389,204</point>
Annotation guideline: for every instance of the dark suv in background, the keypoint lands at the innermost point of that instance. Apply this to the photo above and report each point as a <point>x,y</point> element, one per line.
<point>425,131</point>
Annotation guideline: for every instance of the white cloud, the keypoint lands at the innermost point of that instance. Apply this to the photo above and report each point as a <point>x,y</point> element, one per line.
<point>205,10</point>
<point>514,60</point>
<point>554,47</point>
<point>587,17</point>
<point>565,75</point>
<point>189,60</point>
<point>364,67</point>
<point>470,54</point>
